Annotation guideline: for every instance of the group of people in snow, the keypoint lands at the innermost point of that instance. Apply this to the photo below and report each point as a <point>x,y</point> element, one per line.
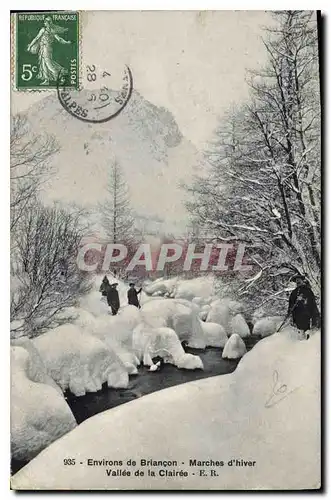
<point>302,307</point>
<point>109,290</point>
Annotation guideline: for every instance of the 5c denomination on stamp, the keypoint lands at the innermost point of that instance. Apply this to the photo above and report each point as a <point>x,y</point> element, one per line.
<point>46,45</point>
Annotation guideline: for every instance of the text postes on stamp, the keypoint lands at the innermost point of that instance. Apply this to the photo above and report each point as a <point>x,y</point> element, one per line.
<point>105,92</point>
<point>46,45</point>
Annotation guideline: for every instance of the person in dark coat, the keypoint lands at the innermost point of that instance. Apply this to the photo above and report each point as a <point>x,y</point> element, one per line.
<point>302,306</point>
<point>133,295</point>
<point>104,286</point>
<point>113,298</point>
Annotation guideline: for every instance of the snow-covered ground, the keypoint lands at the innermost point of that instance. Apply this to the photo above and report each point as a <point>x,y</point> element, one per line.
<point>266,412</point>
<point>99,348</point>
<point>39,412</point>
<point>267,326</point>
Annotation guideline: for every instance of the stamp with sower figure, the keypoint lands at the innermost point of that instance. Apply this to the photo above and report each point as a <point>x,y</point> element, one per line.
<point>46,46</point>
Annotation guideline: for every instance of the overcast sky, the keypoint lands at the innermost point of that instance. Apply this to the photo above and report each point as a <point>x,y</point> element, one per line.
<point>192,63</point>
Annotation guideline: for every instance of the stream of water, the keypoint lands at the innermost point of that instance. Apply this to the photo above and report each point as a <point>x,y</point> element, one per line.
<point>145,382</point>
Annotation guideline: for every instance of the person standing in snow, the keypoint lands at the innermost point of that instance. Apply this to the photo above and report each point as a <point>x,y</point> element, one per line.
<point>104,286</point>
<point>113,298</point>
<point>302,306</point>
<point>133,296</point>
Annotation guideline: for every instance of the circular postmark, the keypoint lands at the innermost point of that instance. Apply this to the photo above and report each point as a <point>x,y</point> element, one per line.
<point>103,96</point>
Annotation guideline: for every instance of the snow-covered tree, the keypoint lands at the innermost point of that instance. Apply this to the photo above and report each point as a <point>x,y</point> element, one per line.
<point>263,187</point>
<point>45,278</point>
<point>30,165</point>
<point>116,214</point>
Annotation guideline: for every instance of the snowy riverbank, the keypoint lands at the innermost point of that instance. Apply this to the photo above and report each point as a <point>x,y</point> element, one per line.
<point>267,412</point>
<point>96,349</point>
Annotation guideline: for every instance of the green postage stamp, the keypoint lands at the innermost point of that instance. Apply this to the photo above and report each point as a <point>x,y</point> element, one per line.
<point>46,46</point>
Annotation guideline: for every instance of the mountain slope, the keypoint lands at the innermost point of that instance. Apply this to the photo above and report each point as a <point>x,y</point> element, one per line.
<point>144,139</point>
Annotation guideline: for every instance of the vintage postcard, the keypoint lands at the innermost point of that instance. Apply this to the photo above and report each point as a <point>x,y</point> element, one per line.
<point>165,250</point>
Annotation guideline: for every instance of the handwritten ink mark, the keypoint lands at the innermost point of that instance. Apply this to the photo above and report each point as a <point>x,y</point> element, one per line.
<point>279,392</point>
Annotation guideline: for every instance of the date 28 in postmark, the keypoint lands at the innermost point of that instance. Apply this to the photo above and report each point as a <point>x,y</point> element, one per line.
<point>46,45</point>
<point>104,94</point>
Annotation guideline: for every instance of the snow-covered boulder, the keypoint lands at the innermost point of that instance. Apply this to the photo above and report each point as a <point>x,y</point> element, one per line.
<point>243,414</point>
<point>114,331</point>
<point>130,361</point>
<point>189,362</point>
<point>39,412</point>
<point>202,287</point>
<point>80,362</point>
<point>215,335</point>
<point>162,341</point>
<point>204,312</point>
<point>238,325</point>
<point>267,326</point>
<point>234,348</point>
<point>203,315</point>
<point>235,307</point>
<point>161,287</point>
<point>222,311</point>
<point>198,301</point>
<point>180,315</point>
<point>36,367</point>
<point>219,313</point>
<point>83,318</point>
<point>259,313</point>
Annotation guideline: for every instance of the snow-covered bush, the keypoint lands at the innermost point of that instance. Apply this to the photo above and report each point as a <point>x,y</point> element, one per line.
<point>80,362</point>
<point>234,348</point>
<point>39,412</point>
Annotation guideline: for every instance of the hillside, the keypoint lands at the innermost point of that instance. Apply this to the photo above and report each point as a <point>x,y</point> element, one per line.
<point>144,139</point>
